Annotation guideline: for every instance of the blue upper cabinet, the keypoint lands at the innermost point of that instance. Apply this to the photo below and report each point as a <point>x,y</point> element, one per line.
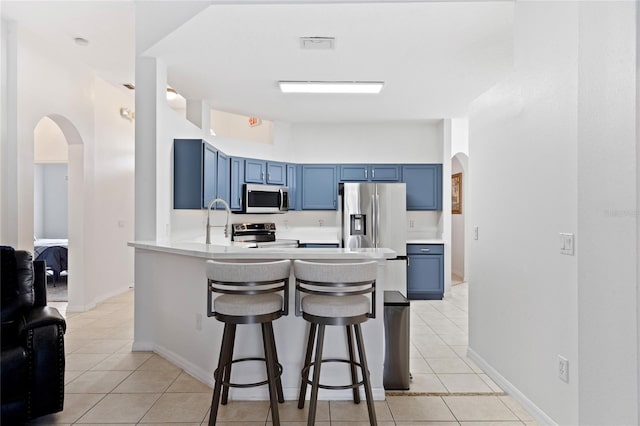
<point>385,173</point>
<point>194,173</point>
<point>261,171</point>
<point>223,175</point>
<point>354,172</point>
<point>369,172</point>
<point>236,181</point>
<point>209,175</point>
<point>424,186</point>
<point>292,184</point>
<point>254,170</point>
<point>319,187</point>
<point>276,173</point>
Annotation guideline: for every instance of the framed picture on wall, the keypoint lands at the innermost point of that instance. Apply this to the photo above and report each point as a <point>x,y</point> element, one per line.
<point>456,193</point>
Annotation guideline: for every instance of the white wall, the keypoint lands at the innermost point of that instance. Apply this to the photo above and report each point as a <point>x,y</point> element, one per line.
<point>543,161</point>
<point>112,220</point>
<point>607,201</point>
<point>460,136</point>
<point>69,93</point>
<point>50,145</point>
<point>367,143</point>
<point>235,126</point>
<point>50,201</point>
<point>50,210</point>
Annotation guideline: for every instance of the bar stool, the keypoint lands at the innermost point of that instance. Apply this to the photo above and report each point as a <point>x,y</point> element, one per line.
<point>335,296</point>
<point>249,295</point>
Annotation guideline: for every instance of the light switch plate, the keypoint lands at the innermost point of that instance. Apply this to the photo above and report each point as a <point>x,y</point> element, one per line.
<point>566,244</point>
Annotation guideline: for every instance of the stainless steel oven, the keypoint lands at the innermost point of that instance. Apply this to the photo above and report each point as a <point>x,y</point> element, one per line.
<point>265,198</point>
<point>259,235</point>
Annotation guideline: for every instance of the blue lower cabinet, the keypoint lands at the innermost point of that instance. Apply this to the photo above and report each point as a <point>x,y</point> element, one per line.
<point>425,271</point>
<point>319,187</point>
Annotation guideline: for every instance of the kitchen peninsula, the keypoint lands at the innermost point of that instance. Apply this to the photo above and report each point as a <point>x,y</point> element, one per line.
<point>171,320</point>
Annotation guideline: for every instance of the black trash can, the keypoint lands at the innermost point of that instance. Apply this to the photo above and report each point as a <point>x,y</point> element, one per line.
<point>396,341</point>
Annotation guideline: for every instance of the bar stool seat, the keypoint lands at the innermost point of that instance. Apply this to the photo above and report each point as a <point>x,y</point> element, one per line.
<point>248,305</point>
<point>340,294</point>
<point>332,307</point>
<point>249,294</point>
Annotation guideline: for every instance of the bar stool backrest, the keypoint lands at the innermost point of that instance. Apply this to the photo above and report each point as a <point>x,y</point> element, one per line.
<point>248,278</point>
<point>336,279</point>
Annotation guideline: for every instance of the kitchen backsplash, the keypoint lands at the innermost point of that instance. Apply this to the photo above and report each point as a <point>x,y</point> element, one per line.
<point>190,224</point>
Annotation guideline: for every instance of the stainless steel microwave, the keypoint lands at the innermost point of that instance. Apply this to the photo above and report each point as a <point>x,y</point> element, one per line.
<point>265,198</point>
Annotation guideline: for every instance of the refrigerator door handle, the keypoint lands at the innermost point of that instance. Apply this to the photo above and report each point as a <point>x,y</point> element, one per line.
<point>374,230</point>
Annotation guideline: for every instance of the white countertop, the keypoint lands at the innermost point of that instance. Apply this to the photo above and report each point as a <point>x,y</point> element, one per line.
<point>330,235</point>
<point>230,250</point>
<point>425,241</point>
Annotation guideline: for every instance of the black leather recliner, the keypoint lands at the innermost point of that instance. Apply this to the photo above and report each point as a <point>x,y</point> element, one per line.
<point>32,359</point>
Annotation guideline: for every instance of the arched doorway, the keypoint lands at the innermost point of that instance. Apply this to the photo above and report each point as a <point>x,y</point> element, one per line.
<point>50,205</point>
<point>459,167</point>
<point>75,205</point>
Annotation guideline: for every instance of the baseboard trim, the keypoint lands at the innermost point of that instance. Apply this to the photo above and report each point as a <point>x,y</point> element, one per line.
<point>539,415</point>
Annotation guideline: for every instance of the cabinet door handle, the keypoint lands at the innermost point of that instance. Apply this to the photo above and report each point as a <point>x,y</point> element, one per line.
<point>425,250</point>
<point>373,174</point>
<point>365,174</point>
<point>408,262</point>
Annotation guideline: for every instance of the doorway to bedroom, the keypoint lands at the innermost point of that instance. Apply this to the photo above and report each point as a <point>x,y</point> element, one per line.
<point>50,206</point>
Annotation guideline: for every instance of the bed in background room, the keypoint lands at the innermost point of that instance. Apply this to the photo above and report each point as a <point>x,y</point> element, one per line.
<point>54,253</point>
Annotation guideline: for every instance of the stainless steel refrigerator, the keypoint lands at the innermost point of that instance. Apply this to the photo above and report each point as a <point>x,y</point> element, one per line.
<point>375,215</point>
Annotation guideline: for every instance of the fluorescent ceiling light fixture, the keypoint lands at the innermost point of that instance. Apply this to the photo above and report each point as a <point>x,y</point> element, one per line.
<point>373,87</point>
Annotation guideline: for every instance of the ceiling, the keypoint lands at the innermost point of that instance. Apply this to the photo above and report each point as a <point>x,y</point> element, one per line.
<point>434,56</point>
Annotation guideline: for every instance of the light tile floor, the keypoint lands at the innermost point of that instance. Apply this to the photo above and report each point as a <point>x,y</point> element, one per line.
<point>106,383</point>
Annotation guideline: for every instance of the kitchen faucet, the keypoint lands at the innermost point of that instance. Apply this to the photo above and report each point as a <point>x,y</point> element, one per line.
<point>226,226</point>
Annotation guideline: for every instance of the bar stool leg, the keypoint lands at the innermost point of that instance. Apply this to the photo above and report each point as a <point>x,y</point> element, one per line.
<point>313,403</point>
<point>227,370</point>
<point>354,374</point>
<point>272,340</point>
<point>225,358</point>
<point>271,374</point>
<point>365,375</point>
<point>307,361</point>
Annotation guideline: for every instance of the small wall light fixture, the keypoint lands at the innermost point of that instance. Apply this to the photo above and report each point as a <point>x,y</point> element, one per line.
<point>127,113</point>
<point>171,93</point>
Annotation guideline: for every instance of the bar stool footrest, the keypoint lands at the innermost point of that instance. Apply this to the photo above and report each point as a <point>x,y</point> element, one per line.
<point>248,385</point>
<point>333,387</point>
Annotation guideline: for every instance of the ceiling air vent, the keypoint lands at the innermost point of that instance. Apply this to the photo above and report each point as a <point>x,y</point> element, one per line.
<point>317,43</point>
